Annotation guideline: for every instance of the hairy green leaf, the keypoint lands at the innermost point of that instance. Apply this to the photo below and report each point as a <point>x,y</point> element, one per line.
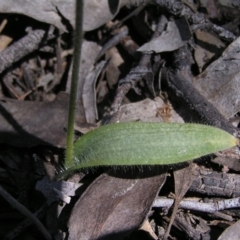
<point>139,143</point>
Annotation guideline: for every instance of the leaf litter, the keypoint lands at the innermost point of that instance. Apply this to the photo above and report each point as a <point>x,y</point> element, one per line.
<point>36,54</point>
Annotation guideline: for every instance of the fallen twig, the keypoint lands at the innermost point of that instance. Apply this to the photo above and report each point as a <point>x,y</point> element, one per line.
<point>21,48</point>
<point>14,203</point>
<point>199,206</point>
<point>137,73</point>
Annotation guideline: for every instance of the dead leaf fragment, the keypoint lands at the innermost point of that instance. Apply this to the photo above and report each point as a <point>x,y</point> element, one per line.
<point>27,124</point>
<point>220,82</point>
<point>147,111</point>
<point>89,93</point>
<point>207,47</point>
<point>112,70</point>
<point>175,36</point>
<point>183,179</point>
<point>112,207</point>
<point>96,13</point>
<point>233,164</point>
<point>48,189</point>
<point>231,232</point>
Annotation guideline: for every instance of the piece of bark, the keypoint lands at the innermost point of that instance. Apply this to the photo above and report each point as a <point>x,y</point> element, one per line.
<point>195,100</point>
<point>113,207</point>
<point>21,48</point>
<point>179,79</point>
<point>216,184</point>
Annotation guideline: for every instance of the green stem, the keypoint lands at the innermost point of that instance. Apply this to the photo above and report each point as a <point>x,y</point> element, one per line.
<point>75,76</point>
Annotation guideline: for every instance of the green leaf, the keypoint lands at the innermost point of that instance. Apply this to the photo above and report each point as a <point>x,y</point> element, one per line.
<point>139,143</point>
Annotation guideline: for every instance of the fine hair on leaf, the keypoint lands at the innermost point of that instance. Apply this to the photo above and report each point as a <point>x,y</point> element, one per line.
<point>147,144</point>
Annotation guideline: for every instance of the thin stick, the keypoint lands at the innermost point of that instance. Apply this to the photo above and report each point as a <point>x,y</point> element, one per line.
<point>74,84</point>
<point>213,207</point>
<point>15,204</point>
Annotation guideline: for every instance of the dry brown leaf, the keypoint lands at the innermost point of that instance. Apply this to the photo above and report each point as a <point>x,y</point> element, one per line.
<point>183,180</point>
<point>175,36</point>
<point>26,123</point>
<point>231,232</point>
<point>222,79</point>
<point>113,207</point>
<point>51,11</point>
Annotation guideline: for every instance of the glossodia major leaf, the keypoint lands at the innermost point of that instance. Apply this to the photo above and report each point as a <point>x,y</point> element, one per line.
<point>139,143</point>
